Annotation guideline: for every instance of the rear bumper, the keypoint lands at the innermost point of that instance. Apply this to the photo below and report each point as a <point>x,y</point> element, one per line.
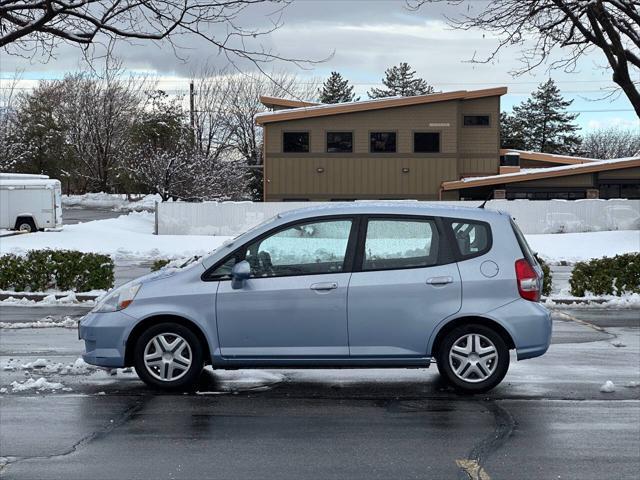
<point>105,336</point>
<point>530,326</point>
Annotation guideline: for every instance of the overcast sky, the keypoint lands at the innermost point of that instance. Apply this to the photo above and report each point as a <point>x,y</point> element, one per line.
<point>361,38</point>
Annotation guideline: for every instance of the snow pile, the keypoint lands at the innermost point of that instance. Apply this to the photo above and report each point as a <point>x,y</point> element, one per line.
<point>628,300</point>
<point>632,385</point>
<point>51,300</point>
<point>39,385</point>
<point>608,387</point>
<point>109,201</point>
<point>128,236</point>
<point>242,380</point>
<point>47,322</point>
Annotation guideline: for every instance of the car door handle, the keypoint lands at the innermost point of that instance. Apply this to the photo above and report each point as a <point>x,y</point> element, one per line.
<point>324,286</point>
<point>439,280</point>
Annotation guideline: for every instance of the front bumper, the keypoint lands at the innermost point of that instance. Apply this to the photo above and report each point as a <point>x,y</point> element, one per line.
<point>105,336</point>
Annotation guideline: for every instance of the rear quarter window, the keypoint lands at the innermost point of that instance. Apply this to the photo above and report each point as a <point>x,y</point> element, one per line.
<point>472,238</point>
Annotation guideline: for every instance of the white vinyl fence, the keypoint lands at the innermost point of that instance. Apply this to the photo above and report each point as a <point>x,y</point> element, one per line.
<point>543,216</point>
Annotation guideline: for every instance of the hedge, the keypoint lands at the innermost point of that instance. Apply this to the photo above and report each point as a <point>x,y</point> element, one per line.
<point>41,270</point>
<point>607,276</point>
<point>548,280</point>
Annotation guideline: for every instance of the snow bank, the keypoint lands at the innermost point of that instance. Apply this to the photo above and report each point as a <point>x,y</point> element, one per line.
<point>48,301</point>
<point>111,201</point>
<point>629,300</point>
<point>47,322</point>
<point>126,237</point>
<point>241,380</point>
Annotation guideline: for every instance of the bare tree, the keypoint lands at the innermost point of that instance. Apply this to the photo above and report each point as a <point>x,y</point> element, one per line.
<point>611,143</point>
<point>99,111</point>
<point>575,26</point>
<point>37,26</point>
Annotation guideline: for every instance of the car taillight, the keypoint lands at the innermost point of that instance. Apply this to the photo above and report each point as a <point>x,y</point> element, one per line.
<point>528,281</point>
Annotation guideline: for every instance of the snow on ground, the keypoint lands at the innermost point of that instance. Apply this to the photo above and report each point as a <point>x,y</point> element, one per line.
<point>627,300</point>
<point>243,380</point>
<point>111,201</point>
<point>575,247</point>
<point>128,236</point>
<point>48,301</point>
<point>131,236</point>
<point>47,322</point>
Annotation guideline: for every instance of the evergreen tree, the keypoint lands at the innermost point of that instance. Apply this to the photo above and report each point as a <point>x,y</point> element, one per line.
<point>542,124</point>
<point>400,81</point>
<point>336,89</point>
<point>511,132</point>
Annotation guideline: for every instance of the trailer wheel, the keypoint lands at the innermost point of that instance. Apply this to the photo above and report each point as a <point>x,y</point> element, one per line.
<point>25,224</point>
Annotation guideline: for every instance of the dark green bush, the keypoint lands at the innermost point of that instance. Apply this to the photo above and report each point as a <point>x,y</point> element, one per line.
<point>548,280</point>
<point>607,276</point>
<point>158,264</point>
<point>40,270</point>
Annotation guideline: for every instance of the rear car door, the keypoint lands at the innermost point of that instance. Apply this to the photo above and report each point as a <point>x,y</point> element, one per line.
<point>405,282</point>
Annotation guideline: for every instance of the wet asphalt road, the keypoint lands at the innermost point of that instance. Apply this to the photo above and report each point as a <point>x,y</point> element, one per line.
<point>73,215</point>
<point>548,419</point>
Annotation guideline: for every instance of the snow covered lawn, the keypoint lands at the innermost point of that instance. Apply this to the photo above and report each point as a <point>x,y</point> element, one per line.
<point>126,237</point>
<point>575,247</point>
<point>131,237</point>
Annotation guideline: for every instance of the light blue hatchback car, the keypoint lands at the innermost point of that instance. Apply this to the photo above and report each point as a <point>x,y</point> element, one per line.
<point>345,285</point>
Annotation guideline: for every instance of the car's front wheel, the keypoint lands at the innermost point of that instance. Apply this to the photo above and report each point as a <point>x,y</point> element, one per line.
<point>473,358</point>
<point>169,356</point>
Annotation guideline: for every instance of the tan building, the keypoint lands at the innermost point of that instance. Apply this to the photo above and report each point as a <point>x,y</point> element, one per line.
<point>442,146</point>
<point>393,148</point>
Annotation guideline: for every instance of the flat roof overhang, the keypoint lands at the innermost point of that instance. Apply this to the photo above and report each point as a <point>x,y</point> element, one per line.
<point>552,172</point>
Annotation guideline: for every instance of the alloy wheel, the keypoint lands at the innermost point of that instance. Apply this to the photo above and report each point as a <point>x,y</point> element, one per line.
<point>473,358</point>
<point>167,357</point>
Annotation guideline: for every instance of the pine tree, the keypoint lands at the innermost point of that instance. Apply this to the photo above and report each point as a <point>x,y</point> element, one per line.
<point>336,89</point>
<point>401,81</point>
<point>542,124</point>
<point>511,132</point>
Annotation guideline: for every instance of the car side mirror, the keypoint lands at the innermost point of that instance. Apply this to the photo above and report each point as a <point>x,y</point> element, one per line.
<point>239,273</point>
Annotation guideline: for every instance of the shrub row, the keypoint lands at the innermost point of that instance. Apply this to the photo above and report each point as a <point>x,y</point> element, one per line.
<point>546,284</point>
<point>607,276</point>
<point>40,270</point>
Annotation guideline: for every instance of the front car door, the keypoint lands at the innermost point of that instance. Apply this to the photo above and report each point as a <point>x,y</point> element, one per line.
<point>405,282</point>
<point>294,305</point>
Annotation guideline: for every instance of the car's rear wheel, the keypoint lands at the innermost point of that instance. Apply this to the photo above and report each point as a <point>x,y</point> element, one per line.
<point>169,356</point>
<point>473,358</point>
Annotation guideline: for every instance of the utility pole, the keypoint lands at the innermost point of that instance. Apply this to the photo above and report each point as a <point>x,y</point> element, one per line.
<point>192,110</point>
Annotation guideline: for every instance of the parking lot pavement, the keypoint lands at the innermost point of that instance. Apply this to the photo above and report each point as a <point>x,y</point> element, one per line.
<point>73,215</point>
<point>548,419</point>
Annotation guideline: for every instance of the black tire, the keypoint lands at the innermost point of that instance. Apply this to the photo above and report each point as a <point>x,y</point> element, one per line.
<point>25,224</point>
<point>188,377</point>
<point>473,385</point>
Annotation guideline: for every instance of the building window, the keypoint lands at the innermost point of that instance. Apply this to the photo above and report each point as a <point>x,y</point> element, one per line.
<point>339,142</point>
<point>295,142</point>
<point>382,142</point>
<point>426,142</point>
<point>476,121</point>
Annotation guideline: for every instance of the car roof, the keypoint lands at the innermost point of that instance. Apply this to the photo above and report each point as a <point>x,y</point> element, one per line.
<point>390,208</point>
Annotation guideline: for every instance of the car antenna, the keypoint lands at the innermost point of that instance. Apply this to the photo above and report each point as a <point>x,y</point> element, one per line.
<point>486,200</point>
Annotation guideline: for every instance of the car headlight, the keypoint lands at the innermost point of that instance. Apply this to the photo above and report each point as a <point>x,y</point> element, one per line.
<point>119,299</point>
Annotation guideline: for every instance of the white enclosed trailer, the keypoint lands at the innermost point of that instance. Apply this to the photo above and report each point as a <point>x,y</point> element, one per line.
<point>30,202</point>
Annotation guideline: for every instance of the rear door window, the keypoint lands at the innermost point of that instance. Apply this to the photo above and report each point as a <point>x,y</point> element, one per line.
<point>473,238</point>
<point>400,243</point>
